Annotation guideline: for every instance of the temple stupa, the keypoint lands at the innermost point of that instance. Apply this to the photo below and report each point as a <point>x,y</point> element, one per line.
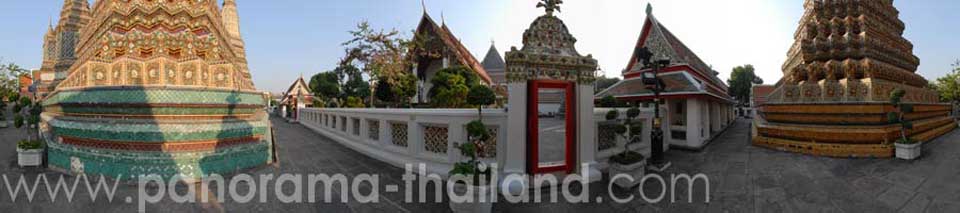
<point>834,97</point>
<point>153,87</point>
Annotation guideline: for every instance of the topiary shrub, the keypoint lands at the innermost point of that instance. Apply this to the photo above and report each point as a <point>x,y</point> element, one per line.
<point>29,144</point>
<point>629,131</point>
<point>608,102</point>
<point>896,99</point>
<point>18,121</point>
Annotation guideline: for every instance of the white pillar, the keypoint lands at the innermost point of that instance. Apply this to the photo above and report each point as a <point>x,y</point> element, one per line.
<point>455,134</point>
<point>414,137</point>
<point>586,135</point>
<point>693,122</point>
<point>516,152</point>
<point>385,135</point>
<point>715,121</point>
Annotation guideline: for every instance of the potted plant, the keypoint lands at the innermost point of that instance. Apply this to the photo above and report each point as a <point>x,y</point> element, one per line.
<point>628,161</point>
<point>29,153</point>
<point>478,185</point>
<point>906,148</point>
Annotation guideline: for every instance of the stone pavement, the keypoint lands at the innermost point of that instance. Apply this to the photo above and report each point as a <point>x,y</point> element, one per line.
<point>742,178</point>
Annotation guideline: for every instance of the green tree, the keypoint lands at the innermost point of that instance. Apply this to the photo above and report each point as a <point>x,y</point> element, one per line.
<point>385,56</point>
<point>397,93</point>
<point>481,96</point>
<point>9,80</point>
<point>439,82</point>
<point>325,86</point>
<point>949,86</point>
<point>741,81</point>
<point>25,101</point>
<point>608,101</point>
<point>449,90</point>
<point>357,87</point>
<point>354,102</point>
<point>603,83</point>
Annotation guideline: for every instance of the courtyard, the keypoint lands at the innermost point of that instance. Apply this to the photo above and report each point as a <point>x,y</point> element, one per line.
<point>742,178</point>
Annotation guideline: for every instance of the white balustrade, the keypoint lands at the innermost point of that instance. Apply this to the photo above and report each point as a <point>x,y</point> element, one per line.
<point>406,136</point>
<point>607,148</point>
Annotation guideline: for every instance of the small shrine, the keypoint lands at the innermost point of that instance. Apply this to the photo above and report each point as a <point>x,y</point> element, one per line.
<point>548,71</point>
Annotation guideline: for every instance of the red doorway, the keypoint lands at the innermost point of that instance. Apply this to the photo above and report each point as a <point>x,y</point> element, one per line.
<point>551,127</point>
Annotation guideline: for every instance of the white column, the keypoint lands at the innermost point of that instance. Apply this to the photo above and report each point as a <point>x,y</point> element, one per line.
<point>414,137</point>
<point>385,135</point>
<point>455,133</point>
<point>715,122</point>
<point>586,132</point>
<point>516,130</point>
<point>693,122</point>
<point>364,129</point>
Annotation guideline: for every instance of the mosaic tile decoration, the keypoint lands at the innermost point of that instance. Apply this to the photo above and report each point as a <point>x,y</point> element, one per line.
<point>147,132</point>
<point>120,106</point>
<point>124,165</point>
<point>399,133</point>
<point>435,139</point>
<point>155,95</point>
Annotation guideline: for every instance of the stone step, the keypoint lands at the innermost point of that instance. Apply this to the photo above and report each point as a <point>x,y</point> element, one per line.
<point>848,134</point>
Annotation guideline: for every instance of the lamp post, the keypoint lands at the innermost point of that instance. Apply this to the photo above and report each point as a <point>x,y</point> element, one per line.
<point>652,81</point>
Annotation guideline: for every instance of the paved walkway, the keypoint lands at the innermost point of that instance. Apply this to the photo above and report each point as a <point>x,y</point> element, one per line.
<point>743,178</point>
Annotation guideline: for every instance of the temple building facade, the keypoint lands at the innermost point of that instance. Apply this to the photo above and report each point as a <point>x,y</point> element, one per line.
<point>696,100</point>
<point>297,97</point>
<point>152,87</point>
<point>834,97</point>
<point>439,49</point>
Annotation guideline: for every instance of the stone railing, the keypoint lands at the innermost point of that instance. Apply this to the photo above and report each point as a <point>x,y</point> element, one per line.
<point>408,136</point>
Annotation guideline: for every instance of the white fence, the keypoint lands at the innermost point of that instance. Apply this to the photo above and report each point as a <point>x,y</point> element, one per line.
<point>609,144</point>
<point>408,136</point>
<point>413,136</point>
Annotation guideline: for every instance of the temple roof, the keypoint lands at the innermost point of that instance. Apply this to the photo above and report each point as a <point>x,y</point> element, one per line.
<point>298,88</point>
<point>686,75</point>
<point>427,25</point>
<point>663,43</point>
<point>493,60</point>
<point>675,83</point>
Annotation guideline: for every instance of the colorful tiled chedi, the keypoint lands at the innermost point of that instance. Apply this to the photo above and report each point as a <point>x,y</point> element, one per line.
<point>157,87</point>
<point>833,99</point>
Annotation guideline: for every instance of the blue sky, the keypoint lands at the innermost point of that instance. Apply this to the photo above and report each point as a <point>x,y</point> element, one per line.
<point>287,38</point>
